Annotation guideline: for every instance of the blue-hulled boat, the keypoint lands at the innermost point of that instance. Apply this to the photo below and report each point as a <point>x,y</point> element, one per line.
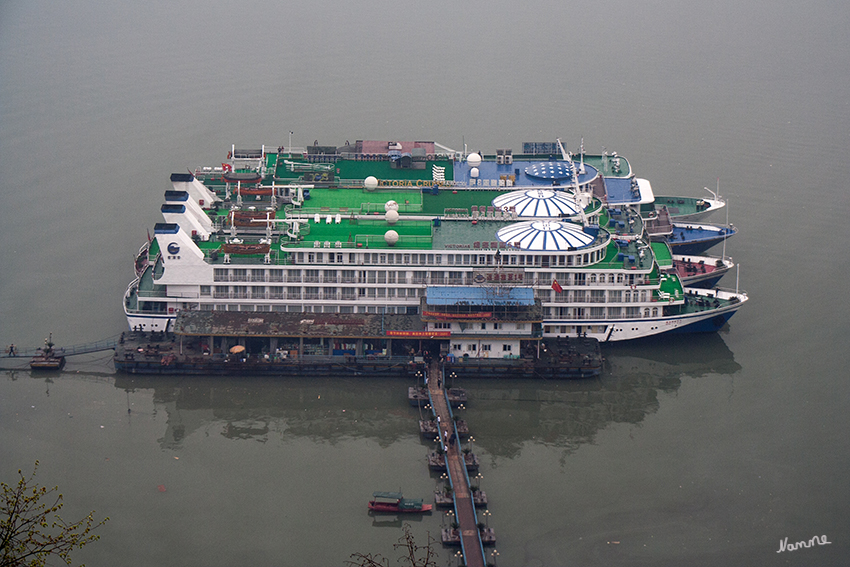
<point>697,238</point>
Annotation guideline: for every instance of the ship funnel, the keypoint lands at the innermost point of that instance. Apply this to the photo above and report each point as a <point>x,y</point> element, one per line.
<point>197,190</point>
<point>182,210</point>
<point>181,257</point>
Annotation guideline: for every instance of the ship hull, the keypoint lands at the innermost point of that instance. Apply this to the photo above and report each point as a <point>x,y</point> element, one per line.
<point>687,208</point>
<point>705,321</point>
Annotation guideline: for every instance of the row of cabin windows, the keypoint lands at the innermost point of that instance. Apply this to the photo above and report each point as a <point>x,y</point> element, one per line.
<point>435,277</point>
<point>421,259</point>
<point>368,309</point>
<point>597,296</point>
<point>353,293</point>
<point>308,292</point>
<point>599,313</point>
<point>572,313</point>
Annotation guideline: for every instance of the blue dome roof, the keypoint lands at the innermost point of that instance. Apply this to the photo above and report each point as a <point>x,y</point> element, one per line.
<point>554,170</point>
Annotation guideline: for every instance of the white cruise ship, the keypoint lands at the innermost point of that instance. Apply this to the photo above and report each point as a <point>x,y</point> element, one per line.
<point>377,227</point>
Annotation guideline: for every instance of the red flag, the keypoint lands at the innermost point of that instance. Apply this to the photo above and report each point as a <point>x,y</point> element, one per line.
<point>226,167</point>
<point>556,286</point>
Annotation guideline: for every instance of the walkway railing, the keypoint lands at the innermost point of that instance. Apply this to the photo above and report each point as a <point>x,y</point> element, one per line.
<point>97,346</point>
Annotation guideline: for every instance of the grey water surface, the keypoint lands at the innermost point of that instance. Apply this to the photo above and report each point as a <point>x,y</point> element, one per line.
<point>699,450</point>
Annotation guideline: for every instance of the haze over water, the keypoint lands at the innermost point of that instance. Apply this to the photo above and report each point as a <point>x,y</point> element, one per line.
<point>704,450</point>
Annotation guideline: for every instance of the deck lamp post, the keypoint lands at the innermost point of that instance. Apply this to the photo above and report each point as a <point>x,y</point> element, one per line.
<point>478,477</point>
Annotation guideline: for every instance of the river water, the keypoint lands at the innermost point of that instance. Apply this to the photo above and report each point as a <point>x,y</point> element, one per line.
<point>703,450</point>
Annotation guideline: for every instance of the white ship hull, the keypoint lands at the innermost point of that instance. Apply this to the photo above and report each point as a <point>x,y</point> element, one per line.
<point>605,330</point>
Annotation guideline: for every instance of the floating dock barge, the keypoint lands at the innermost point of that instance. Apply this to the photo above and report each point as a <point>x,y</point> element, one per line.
<point>333,344</point>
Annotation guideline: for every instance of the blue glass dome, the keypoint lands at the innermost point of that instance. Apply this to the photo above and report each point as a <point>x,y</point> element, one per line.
<point>554,170</point>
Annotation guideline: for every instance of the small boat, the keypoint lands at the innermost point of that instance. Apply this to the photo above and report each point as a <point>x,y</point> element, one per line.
<point>47,358</point>
<point>395,502</point>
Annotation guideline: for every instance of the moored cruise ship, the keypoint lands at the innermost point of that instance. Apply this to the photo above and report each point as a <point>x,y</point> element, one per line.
<point>378,227</point>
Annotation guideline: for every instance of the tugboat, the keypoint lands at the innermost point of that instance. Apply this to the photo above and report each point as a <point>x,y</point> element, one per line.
<point>395,502</point>
<point>47,358</point>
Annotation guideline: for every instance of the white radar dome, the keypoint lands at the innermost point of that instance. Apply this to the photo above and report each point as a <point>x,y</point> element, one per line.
<point>370,183</point>
<point>473,172</point>
<point>473,159</point>
<point>392,216</point>
<point>391,237</point>
<point>390,206</point>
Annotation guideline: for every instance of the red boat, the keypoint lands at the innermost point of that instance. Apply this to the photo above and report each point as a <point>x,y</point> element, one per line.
<point>250,192</point>
<point>395,502</point>
<point>247,218</point>
<point>244,249</point>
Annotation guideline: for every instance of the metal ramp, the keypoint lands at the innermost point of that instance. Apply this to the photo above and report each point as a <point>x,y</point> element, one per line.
<point>86,348</point>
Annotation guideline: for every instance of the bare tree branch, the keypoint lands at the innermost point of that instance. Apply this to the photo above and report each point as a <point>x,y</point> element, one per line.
<point>31,530</point>
<point>411,553</point>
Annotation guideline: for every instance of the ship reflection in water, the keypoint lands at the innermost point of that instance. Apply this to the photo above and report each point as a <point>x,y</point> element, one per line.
<point>566,413</point>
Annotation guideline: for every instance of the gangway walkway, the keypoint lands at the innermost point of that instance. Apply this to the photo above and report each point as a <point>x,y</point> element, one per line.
<point>470,538</point>
<point>86,348</point>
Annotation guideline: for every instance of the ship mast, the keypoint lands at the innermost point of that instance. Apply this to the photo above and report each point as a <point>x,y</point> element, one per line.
<point>577,192</point>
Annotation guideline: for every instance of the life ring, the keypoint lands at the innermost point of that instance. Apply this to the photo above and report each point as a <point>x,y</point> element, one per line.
<point>633,287</point>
